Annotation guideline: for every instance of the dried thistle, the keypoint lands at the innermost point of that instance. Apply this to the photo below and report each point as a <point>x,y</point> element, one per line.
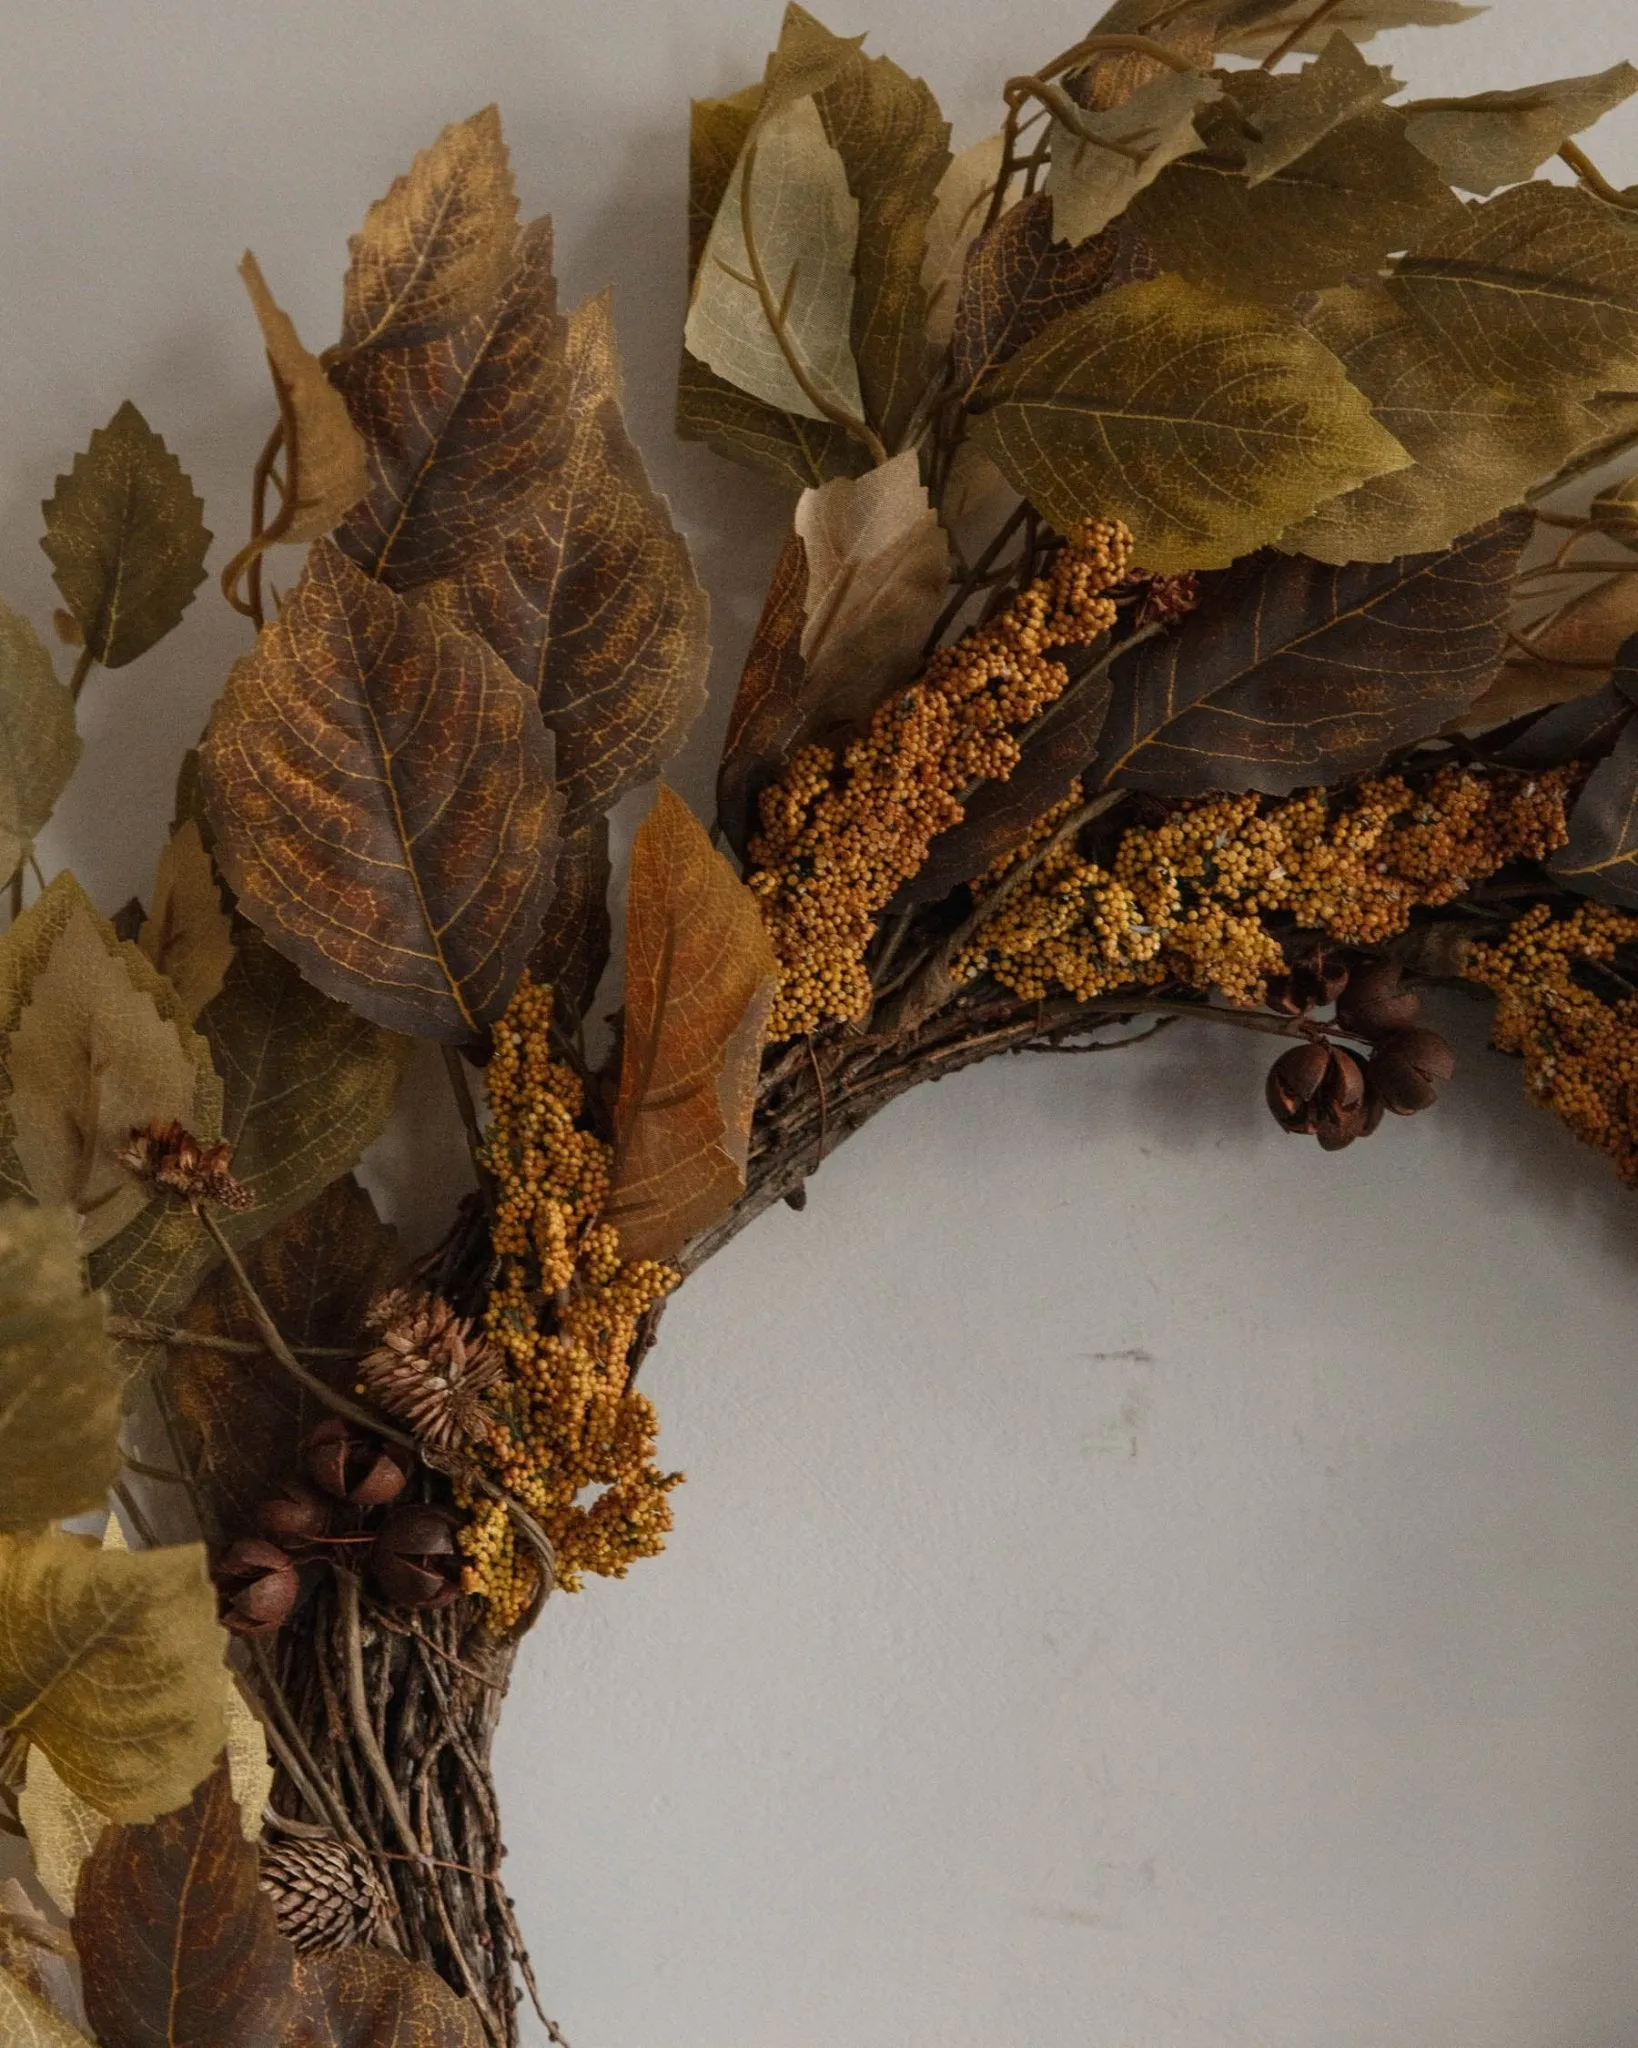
<point>171,1158</point>
<point>431,1369</point>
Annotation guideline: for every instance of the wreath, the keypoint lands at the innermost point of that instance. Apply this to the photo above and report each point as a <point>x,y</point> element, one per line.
<point>1211,597</point>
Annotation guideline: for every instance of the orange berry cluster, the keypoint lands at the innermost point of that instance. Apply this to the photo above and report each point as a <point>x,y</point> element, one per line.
<point>1580,1053</point>
<point>564,1314</point>
<point>1184,901</point>
<point>839,837</point>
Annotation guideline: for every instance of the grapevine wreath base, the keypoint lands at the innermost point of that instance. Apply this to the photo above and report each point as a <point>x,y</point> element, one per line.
<point>1211,598</point>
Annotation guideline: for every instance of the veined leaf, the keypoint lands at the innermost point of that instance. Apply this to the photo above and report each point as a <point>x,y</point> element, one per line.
<point>59,1395</point>
<point>1097,170</point>
<point>126,539</point>
<point>1018,280</point>
<point>573,948</point>
<point>592,601</point>
<point>111,1662</point>
<point>324,454</point>
<point>1256,28</point>
<point>39,747</point>
<point>699,983</point>
<point>1291,673</point>
<point>1493,139</point>
<point>178,1943</point>
<point>432,253</point>
<point>1113,76</point>
<point>775,284</point>
<point>1208,426</point>
<point>1601,856</point>
<point>187,934</point>
<point>960,205</point>
<point>26,2021</point>
<point>771,701</point>
<point>380,788</point>
<point>365,1998</point>
<point>1575,650</point>
<point>1290,121</point>
<point>717,132</point>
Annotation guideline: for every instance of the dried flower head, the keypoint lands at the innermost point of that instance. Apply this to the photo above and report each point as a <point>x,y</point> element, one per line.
<point>431,1369</point>
<point>169,1157</point>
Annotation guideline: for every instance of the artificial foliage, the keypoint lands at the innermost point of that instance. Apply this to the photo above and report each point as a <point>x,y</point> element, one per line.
<point>1210,597</point>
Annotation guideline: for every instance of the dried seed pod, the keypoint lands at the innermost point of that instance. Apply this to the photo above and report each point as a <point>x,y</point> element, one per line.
<point>170,1157</point>
<point>1407,1068</point>
<point>325,1894</point>
<point>431,1369</point>
<point>1319,1091</point>
<point>1376,999</point>
<point>257,1586</point>
<point>415,1560</point>
<point>1293,1082</point>
<point>353,1464</point>
<point>296,1514</point>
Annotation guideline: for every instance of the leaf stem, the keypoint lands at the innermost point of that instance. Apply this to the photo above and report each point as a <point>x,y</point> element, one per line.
<point>1283,49</point>
<point>1593,178</point>
<point>83,666</point>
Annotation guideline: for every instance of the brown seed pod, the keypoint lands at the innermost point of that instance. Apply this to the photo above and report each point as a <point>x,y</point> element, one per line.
<point>1376,999</point>
<point>257,1586</point>
<point>1311,982</point>
<point>1407,1068</point>
<point>1319,1091</point>
<point>353,1464</point>
<point>415,1561</point>
<point>296,1514</point>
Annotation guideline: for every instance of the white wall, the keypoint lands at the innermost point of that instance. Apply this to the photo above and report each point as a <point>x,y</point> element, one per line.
<point>1140,1582</point>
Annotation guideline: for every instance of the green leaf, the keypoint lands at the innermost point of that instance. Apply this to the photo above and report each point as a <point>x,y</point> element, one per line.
<point>39,747</point>
<point>1601,856</point>
<point>126,539</point>
<point>59,1395</point>
<point>112,1662</point>
<point>1206,425</point>
<point>1500,138</point>
<point>1291,674</point>
<point>1097,169</point>
<point>1336,87</point>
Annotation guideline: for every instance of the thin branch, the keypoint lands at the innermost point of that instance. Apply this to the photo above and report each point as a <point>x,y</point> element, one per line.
<point>358,1709</point>
<point>132,1330</point>
<point>1283,49</point>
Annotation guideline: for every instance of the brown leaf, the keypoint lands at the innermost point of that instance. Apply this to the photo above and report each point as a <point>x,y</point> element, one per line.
<point>187,934</point>
<point>592,601</point>
<point>1018,280</point>
<point>960,206</point>
<point>1585,729</point>
<point>699,982</point>
<point>574,943</point>
<point>1575,650</point>
<point>364,1998</point>
<point>178,1944</point>
<point>323,451</point>
<point>381,792</point>
<point>1601,856</point>
<point>1291,673</point>
<point>771,700</point>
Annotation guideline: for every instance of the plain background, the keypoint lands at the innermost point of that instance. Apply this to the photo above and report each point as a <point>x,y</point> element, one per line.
<point>1140,1582</point>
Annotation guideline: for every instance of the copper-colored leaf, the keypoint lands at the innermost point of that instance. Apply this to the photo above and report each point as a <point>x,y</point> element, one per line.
<point>699,982</point>
<point>573,948</point>
<point>1601,856</point>
<point>592,600</point>
<point>126,539</point>
<point>1493,139</point>
<point>324,454</point>
<point>380,788</point>
<point>771,700</point>
<point>364,1998</point>
<point>433,251</point>
<point>1017,281</point>
<point>187,934</point>
<point>1291,673</point>
<point>178,1944</point>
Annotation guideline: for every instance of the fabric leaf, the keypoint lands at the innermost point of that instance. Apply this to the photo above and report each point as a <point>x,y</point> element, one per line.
<point>1601,856</point>
<point>39,746</point>
<point>1097,170</point>
<point>1256,28</point>
<point>1572,654</point>
<point>1289,122</point>
<point>365,1998</point>
<point>771,703</point>
<point>1018,280</point>
<point>573,948</point>
<point>960,205</point>
<point>26,2021</point>
<point>1493,139</point>
<point>324,453</point>
<point>187,935</point>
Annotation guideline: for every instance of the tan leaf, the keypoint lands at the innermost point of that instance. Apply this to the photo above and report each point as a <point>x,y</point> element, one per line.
<point>39,747</point>
<point>959,210</point>
<point>59,1395</point>
<point>775,285</point>
<point>1338,85</point>
<point>1256,28</point>
<point>1615,511</point>
<point>1110,157</point>
<point>62,1829</point>
<point>187,934</point>
<point>26,2021</point>
<point>433,251</point>
<point>1206,425</point>
<point>364,1998</point>
<point>1575,650</point>
<point>96,1045</point>
<point>323,451</point>
<point>112,1664</point>
<point>592,601</point>
<point>36,1954</point>
<point>699,982</point>
<point>1500,138</point>
<point>381,791</point>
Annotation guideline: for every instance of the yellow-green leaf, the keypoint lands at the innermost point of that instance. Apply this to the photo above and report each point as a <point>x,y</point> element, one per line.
<point>28,2022</point>
<point>1110,156</point>
<point>111,1662</point>
<point>1493,139</point>
<point>1338,85</point>
<point>59,1395</point>
<point>1208,426</point>
<point>324,452</point>
<point>187,935</point>
<point>39,747</point>
<point>126,539</point>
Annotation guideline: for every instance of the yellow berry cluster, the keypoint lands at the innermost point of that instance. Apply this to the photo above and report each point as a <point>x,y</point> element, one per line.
<point>564,1312</point>
<point>1185,900</point>
<point>1580,1052</point>
<point>838,837</point>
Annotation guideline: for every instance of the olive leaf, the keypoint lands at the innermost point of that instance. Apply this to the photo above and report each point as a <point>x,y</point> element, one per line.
<point>323,451</point>
<point>573,948</point>
<point>1292,673</point>
<point>1338,85</point>
<point>1491,139</point>
<point>96,1042</point>
<point>1208,426</point>
<point>1600,857</point>
<point>187,934</point>
<point>772,304</point>
<point>1256,28</point>
<point>111,1663</point>
<point>699,984</point>
<point>592,601</point>
<point>433,251</point>
<point>365,1998</point>
<point>380,787</point>
<point>39,747</point>
<point>126,539</point>
<point>1017,281</point>
<point>960,205</point>
<point>1098,167</point>
<point>1569,654</point>
<point>26,2021</point>
<point>177,1941</point>
<point>59,1394</point>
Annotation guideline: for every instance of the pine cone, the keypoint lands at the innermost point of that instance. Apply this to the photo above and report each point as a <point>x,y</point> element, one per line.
<point>325,1895</point>
<point>431,1369</point>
